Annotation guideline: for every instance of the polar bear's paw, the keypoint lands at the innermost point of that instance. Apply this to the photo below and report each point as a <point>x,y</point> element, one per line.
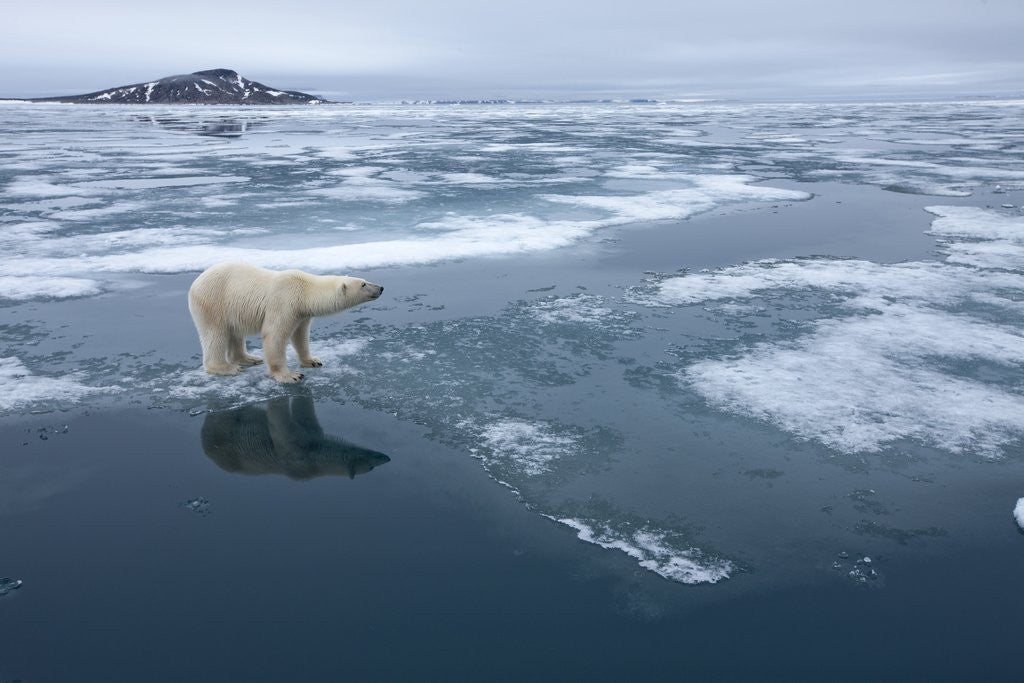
<point>223,369</point>
<point>312,362</point>
<point>250,360</point>
<point>288,377</point>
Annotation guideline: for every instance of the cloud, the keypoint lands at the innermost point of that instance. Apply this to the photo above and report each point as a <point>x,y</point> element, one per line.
<point>404,47</point>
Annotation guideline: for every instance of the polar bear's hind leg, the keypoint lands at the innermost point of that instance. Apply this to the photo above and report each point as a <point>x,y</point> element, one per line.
<point>215,350</point>
<point>214,339</point>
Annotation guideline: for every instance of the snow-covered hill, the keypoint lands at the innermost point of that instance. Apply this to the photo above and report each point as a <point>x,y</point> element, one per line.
<point>216,86</point>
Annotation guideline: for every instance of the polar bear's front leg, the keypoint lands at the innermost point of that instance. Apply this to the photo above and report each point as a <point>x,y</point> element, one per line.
<point>238,354</point>
<point>300,340</point>
<point>275,339</point>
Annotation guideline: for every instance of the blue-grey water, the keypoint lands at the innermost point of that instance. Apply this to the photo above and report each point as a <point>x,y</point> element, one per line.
<point>726,391</point>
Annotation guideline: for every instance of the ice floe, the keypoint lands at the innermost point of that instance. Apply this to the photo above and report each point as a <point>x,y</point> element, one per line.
<point>653,551</point>
<point>854,392</point>
<point>526,446</point>
<point>31,287</point>
<point>707,192</point>
<point>368,190</point>
<point>149,183</point>
<point>463,236</point>
<point>194,385</point>
<point>580,308</point>
<point>19,387</point>
<point>898,363</point>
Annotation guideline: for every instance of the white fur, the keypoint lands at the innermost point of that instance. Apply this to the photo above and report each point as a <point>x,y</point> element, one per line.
<point>231,300</point>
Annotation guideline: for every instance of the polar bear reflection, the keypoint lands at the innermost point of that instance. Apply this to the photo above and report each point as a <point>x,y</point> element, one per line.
<point>278,438</point>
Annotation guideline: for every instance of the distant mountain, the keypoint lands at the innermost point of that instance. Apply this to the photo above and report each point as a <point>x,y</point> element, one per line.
<point>216,86</point>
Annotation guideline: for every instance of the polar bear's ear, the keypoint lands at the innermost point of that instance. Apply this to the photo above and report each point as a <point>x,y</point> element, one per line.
<point>344,288</point>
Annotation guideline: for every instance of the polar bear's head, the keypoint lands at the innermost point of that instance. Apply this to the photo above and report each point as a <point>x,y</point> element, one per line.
<point>354,291</point>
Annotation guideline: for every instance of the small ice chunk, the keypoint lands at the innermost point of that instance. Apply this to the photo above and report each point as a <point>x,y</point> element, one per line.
<point>7,585</point>
<point>1018,513</point>
<point>200,506</point>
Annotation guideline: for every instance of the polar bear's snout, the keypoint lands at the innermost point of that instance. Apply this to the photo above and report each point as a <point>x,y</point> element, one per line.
<point>372,290</point>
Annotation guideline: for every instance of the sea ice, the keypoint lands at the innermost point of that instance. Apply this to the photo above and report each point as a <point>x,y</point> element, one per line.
<point>30,287</point>
<point>525,446</point>
<point>861,381</point>
<point>200,506</point>
<point>19,387</point>
<point>653,551</point>
<point>581,308</point>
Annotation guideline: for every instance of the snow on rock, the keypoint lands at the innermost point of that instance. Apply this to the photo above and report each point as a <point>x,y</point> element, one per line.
<point>215,86</point>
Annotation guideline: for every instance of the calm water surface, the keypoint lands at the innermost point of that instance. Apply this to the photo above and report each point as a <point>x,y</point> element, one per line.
<point>729,391</point>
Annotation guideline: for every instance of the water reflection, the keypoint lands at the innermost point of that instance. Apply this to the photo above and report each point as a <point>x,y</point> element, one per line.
<point>282,437</point>
<point>218,126</point>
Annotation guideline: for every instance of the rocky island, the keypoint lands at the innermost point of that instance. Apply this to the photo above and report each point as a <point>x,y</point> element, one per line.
<point>215,86</point>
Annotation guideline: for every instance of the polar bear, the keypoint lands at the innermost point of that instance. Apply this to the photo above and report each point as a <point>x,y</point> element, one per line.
<point>231,300</point>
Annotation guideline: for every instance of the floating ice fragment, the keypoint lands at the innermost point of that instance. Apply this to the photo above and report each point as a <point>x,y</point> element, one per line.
<point>7,585</point>
<point>862,574</point>
<point>653,551</point>
<point>200,506</point>
<point>1018,513</point>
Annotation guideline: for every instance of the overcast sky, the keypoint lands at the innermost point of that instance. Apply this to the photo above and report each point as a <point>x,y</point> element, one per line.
<point>401,49</point>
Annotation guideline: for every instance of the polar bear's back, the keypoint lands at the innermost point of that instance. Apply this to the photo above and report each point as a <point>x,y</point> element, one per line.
<point>236,294</point>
